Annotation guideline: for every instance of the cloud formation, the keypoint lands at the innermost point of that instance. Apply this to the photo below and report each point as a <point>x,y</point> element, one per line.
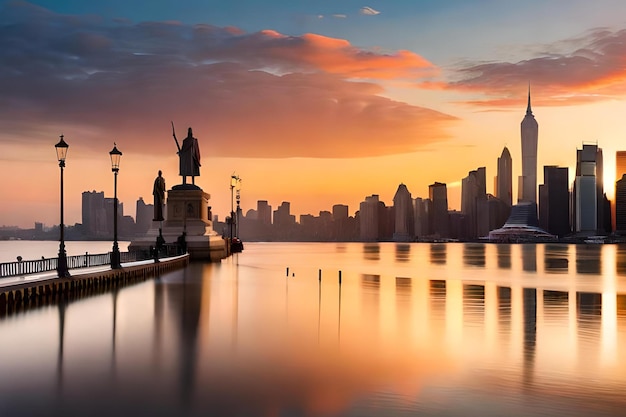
<point>261,94</point>
<point>580,70</point>
<point>369,11</point>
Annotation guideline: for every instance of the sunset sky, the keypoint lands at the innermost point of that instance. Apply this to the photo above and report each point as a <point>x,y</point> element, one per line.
<point>316,103</point>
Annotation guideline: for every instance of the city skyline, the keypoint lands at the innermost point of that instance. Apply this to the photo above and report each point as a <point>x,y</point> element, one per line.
<point>311,104</point>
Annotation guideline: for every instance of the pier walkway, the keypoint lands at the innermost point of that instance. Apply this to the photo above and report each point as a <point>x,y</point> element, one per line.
<point>21,292</point>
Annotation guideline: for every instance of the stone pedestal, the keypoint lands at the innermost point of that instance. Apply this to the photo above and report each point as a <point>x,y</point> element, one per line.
<point>187,211</point>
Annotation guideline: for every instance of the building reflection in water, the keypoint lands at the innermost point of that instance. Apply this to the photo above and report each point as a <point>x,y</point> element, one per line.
<point>555,258</point>
<point>474,254</point>
<point>621,306</point>
<point>473,303</point>
<point>530,335</point>
<point>529,257</point>
<point>370,283</point>
<point>530,328</point>
<point>371,251</point>
<point>588,259</point>
<point>504,309</point>
<point>504,255</point>
<point>61,309</point>
<point>437,293</point>
<point>403,252</point>
<point>620,266</point>
<point>438,253</point>
<point>184,300</point>
<point>403,286</point>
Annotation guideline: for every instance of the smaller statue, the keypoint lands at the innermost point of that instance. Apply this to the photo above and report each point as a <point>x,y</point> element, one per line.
<point>158,191</point>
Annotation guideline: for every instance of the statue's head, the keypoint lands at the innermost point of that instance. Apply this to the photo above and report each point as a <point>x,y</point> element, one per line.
<point>160,173</point>
<point>189,132</point>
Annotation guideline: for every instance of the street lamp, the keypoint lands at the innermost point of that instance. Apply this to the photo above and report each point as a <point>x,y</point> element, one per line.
<point>238,197</point>
<point>233,183</point>
<point>115,167</point>
<point>62,271</point>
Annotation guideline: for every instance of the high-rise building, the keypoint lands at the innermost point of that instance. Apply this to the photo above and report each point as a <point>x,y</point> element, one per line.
<point>94,216</point>
<point>530,137</point>
<point>620,170</point>
<point>144,213</point>
<point>369,219</point>
<point>283,216</point>
<point>439,221</point>
<point>620,205</point>
<point>264,212</point>
<point>554,201</point>
<point>586,190</point>
<point>473,191</point>
<point>422,209</point>
<point>404,216</point>
<point>504,179</point>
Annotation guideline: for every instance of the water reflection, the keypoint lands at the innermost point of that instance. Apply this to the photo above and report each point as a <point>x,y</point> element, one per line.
<point>529,257</point>
<point>403,285</point>
<point>474,254</point>
<point>621,260</point>
<point>185,299</point>
<point>530,334</point>
<point>588,259</point>
<point>437,293</point>
<point>370,283</point>
<point>403,252</point>
<point>438,253</point>
<point>504,308</point>
<point>214,339</point>
<point>473,302</point>
<point>555,258</point>
<point>504,256</point>
<point>371,251</point>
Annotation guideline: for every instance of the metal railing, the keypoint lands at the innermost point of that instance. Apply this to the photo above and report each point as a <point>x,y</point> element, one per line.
<point>21,267</point>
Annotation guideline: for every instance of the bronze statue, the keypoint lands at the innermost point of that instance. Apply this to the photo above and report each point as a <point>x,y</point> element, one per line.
<point>158,191</point>
<point>189,156</point>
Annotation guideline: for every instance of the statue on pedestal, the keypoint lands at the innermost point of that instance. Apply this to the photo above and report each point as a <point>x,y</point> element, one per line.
<point>189,156</point>
<point>158,191</point>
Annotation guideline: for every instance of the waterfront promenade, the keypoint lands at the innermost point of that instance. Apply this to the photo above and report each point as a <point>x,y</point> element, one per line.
<point>32,290</point>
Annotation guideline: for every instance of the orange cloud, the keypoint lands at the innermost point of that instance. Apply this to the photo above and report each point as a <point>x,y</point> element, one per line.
<point>262,94</point>
<point>591,69</point>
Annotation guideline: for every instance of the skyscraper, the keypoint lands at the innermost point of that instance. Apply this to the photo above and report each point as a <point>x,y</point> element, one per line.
<point>530,135</point>
<point>404,218</point>
<point>620,170</point>
<point>473,190</point>
<point>504,179</point>
<point>586,190</point>
<point>264,212</point>
<point>439,222</point>
<point>620,205</point>
<point>554,201</point>
<point>368,218</point>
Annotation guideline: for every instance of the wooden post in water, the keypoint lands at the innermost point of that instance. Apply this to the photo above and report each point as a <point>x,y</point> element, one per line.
<point>319,275</point>
<point>287,271</point>
<point>339,277</point>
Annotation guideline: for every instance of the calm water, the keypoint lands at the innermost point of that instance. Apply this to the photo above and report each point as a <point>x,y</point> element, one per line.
<point>414,329</point>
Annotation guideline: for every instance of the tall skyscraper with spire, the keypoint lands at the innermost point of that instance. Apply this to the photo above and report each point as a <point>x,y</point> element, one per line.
<point>530,135</point>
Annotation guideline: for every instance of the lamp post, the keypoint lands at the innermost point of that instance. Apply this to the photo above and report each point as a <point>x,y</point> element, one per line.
<point>233,183</point>
<point>238,197</point>
<point>115,167</point>
<point>62,271</point>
